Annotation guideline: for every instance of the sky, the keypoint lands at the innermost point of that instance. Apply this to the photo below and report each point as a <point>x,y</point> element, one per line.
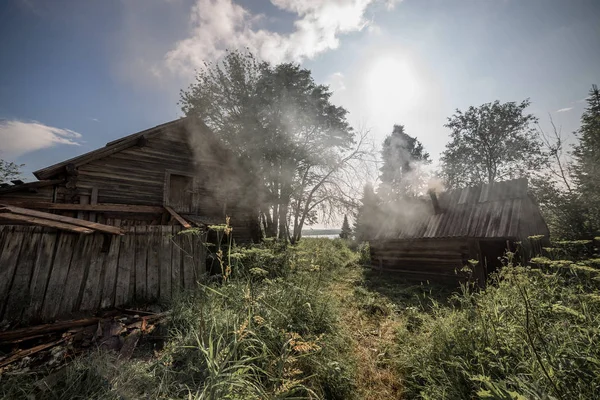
<point>77,74</point>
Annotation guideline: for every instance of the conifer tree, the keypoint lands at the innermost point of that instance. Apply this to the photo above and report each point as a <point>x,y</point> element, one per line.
<point>346,232</point>
<point>367,217</point>
<point>587,160</point>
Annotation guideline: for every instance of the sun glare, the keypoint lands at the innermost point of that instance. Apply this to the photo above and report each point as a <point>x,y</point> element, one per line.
<point>391,81</point>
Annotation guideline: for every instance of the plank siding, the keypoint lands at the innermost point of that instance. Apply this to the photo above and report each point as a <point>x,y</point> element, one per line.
<point>47,274</point>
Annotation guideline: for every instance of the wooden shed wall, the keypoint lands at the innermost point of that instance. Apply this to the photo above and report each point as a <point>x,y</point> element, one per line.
<point>424,259</point>
<point>47,274</point>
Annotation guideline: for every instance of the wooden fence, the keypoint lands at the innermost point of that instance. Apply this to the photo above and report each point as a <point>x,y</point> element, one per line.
<point>47,274</point>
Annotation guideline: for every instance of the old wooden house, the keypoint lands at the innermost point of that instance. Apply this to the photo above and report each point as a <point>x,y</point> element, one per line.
<point>101,229</point>
<point>476,223</point>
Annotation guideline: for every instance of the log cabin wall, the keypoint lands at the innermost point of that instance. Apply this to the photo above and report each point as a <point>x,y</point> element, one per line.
<point>438,260</point>
<point>47,274</point>
<point>180,164</point>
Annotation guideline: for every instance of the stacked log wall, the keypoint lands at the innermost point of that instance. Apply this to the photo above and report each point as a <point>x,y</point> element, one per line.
<point>424,259</point>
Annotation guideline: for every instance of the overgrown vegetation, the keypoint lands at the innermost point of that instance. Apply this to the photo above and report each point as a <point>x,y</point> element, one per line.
<point>309,322</point>
<point>267,328</point>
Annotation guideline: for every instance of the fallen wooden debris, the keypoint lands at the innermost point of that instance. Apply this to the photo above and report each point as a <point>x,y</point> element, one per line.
<point>130,343</point>
<point>47,219</point>
<point>178,217</point>
<point>46,328</point>
<point>18,355</point>
<point>118,331</point>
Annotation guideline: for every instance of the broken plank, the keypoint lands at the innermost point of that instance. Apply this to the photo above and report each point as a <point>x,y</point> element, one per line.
<point>129,345</point>
<point>63,219</point>
<point>27,352</point>
<point>45,222</point>
<point>178,217</point>
<point>60,326</point>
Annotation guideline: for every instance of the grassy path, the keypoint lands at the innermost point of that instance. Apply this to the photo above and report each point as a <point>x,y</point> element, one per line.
<point>368,318</point>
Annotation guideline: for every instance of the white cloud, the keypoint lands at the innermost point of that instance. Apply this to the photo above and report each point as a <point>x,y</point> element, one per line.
<point>337,82</point>
<point>20,137</point>
<point>222,24</point>
<point>564,109</point>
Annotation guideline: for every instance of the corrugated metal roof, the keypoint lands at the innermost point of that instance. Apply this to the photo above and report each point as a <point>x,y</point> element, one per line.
<point>491,211</point>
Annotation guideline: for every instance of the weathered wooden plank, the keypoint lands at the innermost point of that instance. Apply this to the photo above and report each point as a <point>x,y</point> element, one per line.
<point>178,217</point>
<point>199,255</point>
<point>176,267</point>
<point>44,222</point>
<point>92,289</point>
<point>93,202</point>
<point>187,251</point>
<point>126,262</point>
<point>63,219</point>
<point>153,261</point>
<point>110,273</point>
<point>100,207</point>
<point>58,275</point>
<point>78,269</point>
<point>8,262</point>
<point>165,261</point>
<point>41,273</point>
<point>19,292</point>
<point>141,250</point>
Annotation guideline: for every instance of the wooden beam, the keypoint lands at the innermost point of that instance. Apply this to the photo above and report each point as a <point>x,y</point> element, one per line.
<point>44,222</point>
<point>62,219</point>
<point>100,207</point>
<point>178,217</point>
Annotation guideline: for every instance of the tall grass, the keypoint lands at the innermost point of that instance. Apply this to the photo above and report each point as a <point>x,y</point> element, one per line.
<point>532,334</point>
<point>269,329</point>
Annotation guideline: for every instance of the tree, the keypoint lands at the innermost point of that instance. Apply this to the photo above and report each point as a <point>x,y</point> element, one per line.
<point>9,170</point>
<point>402,172</point>
<point>367,217</point>
<point>346,232</point>
<point>493,142</point>
<point>587,159</point>
<point>286,130</point>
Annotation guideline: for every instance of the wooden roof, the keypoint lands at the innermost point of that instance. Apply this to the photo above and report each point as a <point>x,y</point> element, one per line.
<point>498,210</point>
<point>115,146</point>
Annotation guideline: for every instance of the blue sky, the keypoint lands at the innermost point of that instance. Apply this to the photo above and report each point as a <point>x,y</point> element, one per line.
<point>77,74</point>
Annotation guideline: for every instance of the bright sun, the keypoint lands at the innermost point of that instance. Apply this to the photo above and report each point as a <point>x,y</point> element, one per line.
<point>391,82</point>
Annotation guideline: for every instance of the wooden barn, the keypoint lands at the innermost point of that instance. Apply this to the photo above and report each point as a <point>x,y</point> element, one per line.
<point>100,230</point>
<point>475,223</point>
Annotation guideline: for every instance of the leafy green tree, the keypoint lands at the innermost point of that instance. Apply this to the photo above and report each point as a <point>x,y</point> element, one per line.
<point>346,232</point>
<point>285,128</point>
<point>9,170</point>
<point>367,220</point>
<point>587,160</point>
<point>403,160</point>
<point>493,142</point>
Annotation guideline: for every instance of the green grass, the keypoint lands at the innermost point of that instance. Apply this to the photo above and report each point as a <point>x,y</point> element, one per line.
<point>308,322</point>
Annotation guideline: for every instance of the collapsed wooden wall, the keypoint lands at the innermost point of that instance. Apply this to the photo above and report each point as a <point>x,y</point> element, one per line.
<point>425,259</point>
<point>47,274</point>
